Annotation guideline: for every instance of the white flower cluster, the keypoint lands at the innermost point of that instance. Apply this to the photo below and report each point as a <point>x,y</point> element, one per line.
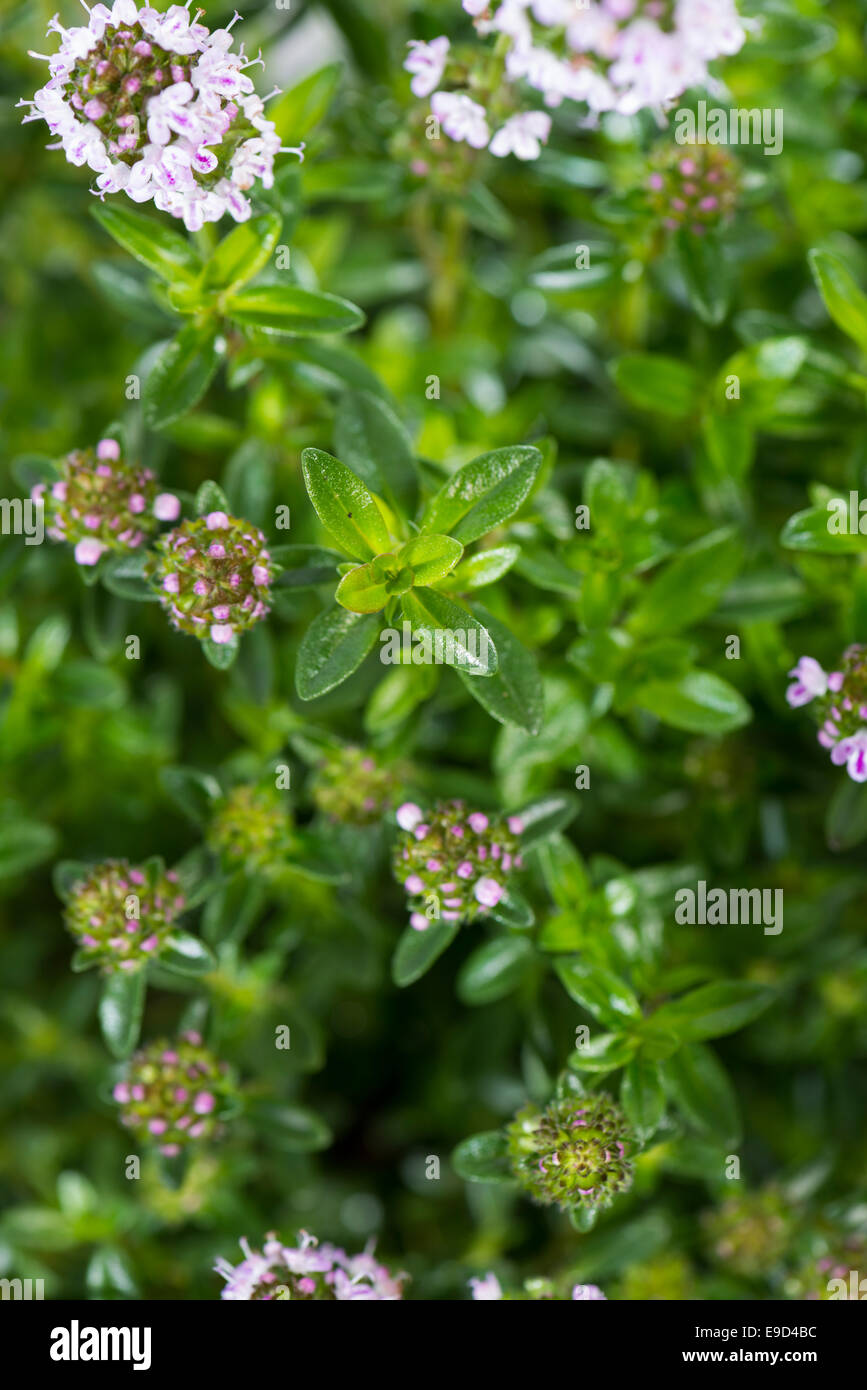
<point>611,55</point>
<point>159,108</point>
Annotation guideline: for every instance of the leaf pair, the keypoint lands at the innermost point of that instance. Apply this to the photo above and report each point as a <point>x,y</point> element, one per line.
<point>420,562</point>
<point>211,291</point>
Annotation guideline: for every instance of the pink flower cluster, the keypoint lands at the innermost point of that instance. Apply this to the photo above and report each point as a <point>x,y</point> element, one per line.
<point>307,1271</point>
<point>213,576</point>
<point>609,55</point>
<point>454,866</point>
<point>839,700</point>
<point>173,1093</point>
<point>697,190</point>
<point>159,108</point>
<point>101,503</point>
<point>120,916</point>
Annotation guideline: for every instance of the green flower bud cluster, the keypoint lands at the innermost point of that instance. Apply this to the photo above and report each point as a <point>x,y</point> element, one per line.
<point>750,1232</point>
<point>120,916</point>
<point>102,503</point>
<point>352,787</point>
<point>251,828</point>
<point>574,1154</point>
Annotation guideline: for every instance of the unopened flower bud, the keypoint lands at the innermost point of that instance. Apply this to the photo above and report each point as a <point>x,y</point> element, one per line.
<point>213,577</point>
<point>173,1093</point>
<point>102,503</point>
<point>121,915</point>
<point>452,864</point>
<point>574,1154</point>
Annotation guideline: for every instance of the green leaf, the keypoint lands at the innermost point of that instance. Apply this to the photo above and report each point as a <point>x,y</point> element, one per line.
<point>514,694</point>
<point>599,991</point>
<point>702,264</point>
<point>221,655</point>
<point>243,253</point>
<point>292,1128</point>
<point>373,441</point>
<point>513,911</point>
<point>120,1010</point>
<point>603,1052</point>
<point>86,684</point>
<point>210,497</point>
<point>289,309</point>
<point>698,702</point>
<point>659,384</point>
<point>66,874</point>
<point>729,440</point>
<point>430,557</point>
<point>563,871</point>
<point>305,104</point>
<point>549,572</point>
<point>810,530</point>
<point>712,1010</point>
<point>365,590</point>
<point>185,954</point>
<point>545,817</point>
<point>844,299</point>
<point>483,1158</point>
<point>465,643</point>
<point>494,970</point>
<point>484,493</point>
<point>485,567</point>
<point>126,576</point>
<point>689,587</point>
<point>486,213</point>
<point>417,951</point>
<point>182,373</point>
<point>700,1088</point>
<point>642,1095</point>
<point>23,845</point>
<point>171,256</point>
<point>305,566</point>
<point>334,645</point>
<point>109,1275</point>
<point>343,504</point>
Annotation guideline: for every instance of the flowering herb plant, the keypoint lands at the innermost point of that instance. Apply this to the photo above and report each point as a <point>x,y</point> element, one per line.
<point>467,912</point>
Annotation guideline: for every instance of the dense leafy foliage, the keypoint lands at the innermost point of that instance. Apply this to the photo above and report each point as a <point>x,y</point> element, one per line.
<point>508,494</point>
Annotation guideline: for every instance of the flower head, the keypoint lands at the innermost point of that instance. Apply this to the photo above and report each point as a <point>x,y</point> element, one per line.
<point>120,915</point>
<point>159,108</point>
<point>461,118</point>
<point>608,55</point>
<point>250,827</point>
<point>810,681</point>
<point>839,706</point>
<point>427,63</point>
<point>173,1093</point>
<point>351,786</point>
<point>307,1272</point>
<point>103,503</point>
<point>574,1154</point>
<point>213,576</point>
<point>750,1232</point>
<point>454,865</point>
<point>693,186</point>
<point>522,135</point>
